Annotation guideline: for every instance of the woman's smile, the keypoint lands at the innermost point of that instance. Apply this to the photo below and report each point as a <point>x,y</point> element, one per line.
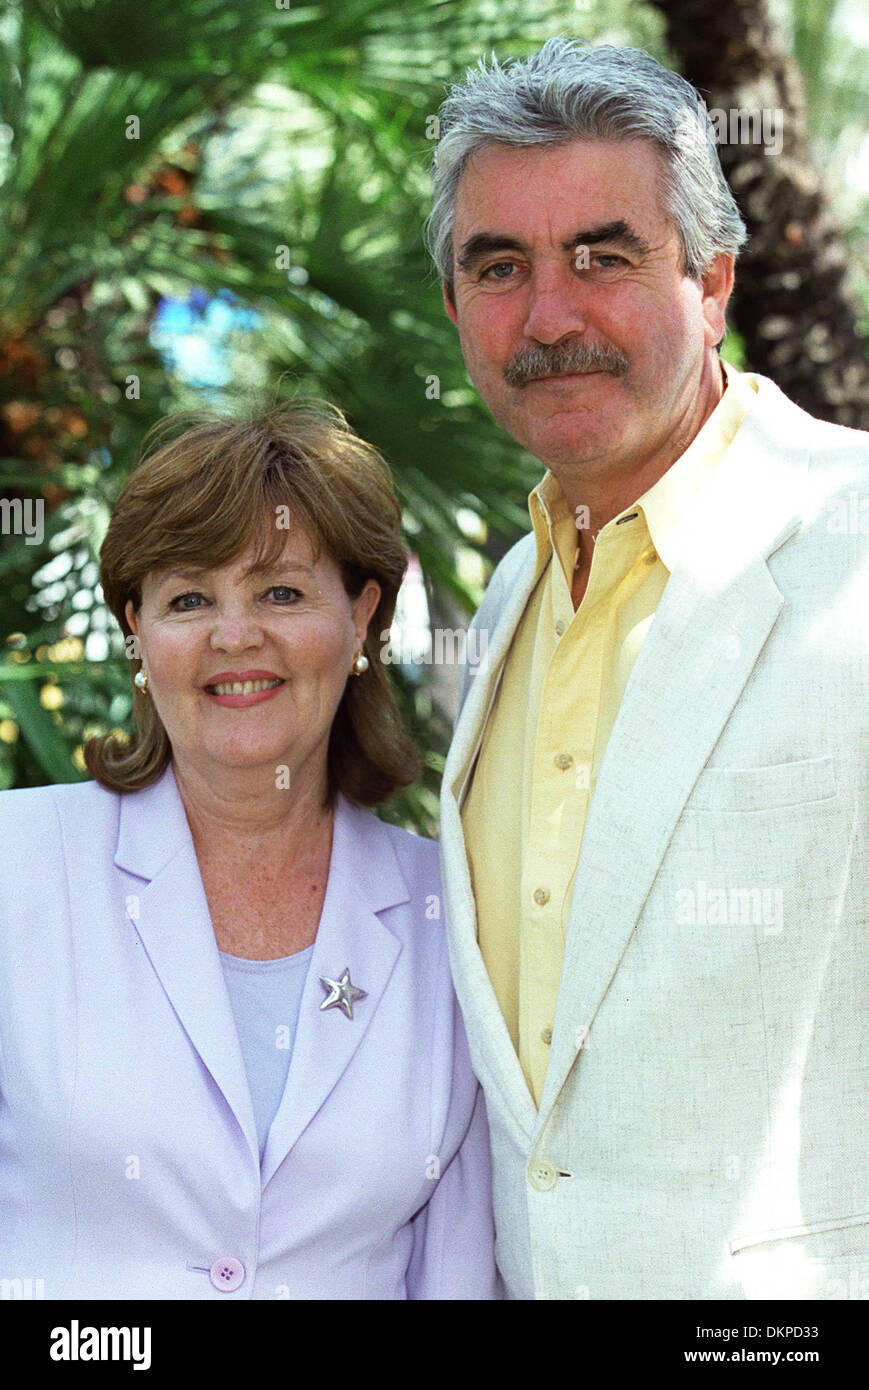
<point>239,689</point>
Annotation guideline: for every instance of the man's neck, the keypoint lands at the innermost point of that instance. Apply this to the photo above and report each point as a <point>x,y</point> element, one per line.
<point>609,494</point>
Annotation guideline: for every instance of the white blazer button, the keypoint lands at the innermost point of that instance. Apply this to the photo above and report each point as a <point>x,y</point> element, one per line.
<point>227,1273</point>
<point>542,1175</point>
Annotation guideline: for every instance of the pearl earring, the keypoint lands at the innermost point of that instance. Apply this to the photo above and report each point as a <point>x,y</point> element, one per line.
<point>360,663</point>
<point>140,681</point>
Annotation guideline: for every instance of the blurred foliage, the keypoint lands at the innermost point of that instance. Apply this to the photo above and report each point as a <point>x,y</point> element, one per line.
<point>164,152</point>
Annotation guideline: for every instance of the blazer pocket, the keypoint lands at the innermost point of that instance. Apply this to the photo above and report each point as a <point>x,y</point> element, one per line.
<point>838,1238</point>
<point>764,788</point>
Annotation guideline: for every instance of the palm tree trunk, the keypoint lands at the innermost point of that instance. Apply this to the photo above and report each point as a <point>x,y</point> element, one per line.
<point>792,304</point>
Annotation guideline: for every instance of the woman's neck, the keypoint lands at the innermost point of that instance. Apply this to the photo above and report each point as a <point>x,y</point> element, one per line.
<point>247,813</point>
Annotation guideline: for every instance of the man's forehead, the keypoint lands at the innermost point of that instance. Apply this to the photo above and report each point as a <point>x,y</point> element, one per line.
<point>604,180</point>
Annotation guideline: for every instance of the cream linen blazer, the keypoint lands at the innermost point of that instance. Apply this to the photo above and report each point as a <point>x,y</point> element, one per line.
<point>703,1129</point>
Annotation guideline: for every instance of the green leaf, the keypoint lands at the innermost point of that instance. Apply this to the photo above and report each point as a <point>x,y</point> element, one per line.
<point>39,731</point>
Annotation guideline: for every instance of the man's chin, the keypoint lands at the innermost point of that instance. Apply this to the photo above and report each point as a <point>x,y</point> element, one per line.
<point>567,435</point>
<point>565,421</point>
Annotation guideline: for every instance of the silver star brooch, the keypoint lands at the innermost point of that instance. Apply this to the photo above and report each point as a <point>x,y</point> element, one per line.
<point>341,993</point>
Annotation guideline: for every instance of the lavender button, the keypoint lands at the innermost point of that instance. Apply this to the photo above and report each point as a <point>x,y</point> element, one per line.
<point>227,1273</point>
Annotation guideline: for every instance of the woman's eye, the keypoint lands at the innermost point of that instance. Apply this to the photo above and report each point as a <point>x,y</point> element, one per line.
<point>186,603</point>
<point>283,593</point>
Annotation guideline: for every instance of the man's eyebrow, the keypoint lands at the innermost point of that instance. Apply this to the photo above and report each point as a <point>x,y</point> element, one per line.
<point>476,247</point>
<point>613,233</point>
<point>616,233</point>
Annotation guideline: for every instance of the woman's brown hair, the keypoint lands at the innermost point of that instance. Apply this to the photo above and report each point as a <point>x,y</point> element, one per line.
<point>204,498</point>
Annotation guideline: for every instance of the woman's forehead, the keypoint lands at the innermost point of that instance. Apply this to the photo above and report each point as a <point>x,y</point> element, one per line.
<point>292,551</point>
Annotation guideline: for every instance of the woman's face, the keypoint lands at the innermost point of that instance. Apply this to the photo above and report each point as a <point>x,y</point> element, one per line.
<point>246,669</point>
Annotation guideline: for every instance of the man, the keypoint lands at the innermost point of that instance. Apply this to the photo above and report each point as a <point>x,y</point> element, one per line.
<point>654,824</point>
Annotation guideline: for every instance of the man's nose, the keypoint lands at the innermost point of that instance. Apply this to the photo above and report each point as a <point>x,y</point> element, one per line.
<point>557,305</point>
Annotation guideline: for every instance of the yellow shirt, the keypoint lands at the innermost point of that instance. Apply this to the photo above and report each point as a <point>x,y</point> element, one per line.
<point>565,674</point>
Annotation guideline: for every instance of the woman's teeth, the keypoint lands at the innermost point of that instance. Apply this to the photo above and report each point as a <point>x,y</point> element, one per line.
<point>244,687</point>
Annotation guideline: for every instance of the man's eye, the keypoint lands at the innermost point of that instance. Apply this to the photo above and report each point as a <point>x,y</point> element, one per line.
<point>493,270</point>
<point>186,603</point>
<point>608,261</point>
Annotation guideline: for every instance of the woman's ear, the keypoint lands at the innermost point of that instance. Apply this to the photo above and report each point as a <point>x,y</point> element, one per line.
<point>364,607</point>
<point>132,618</point>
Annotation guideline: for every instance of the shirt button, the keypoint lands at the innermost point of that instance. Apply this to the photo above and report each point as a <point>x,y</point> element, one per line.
<point>563,761</point>
<point>651,557</point>
<point>546,1034</point>
<point>559,627</point>
<point>541,896</point>
<point>227,1273</point>
<point>542,1175</point>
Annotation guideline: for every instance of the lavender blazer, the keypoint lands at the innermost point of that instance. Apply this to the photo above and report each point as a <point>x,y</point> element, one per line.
<point>129,1161</point>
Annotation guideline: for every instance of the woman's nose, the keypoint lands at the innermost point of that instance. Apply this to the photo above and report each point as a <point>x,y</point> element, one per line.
<point>236,631</point>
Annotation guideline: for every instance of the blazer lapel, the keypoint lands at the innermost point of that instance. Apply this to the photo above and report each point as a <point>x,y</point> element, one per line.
<point>716,612</point>
<point>170,914</point>
<point>364,879</point>
<point>494,1056</point>
<point>483,686</point>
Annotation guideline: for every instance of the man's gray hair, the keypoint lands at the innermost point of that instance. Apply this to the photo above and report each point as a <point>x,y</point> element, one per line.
<point>569,91</point>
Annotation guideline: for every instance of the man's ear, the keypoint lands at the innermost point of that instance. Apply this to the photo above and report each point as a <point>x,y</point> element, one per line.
<point>449,302</point>
<point>717,285</point>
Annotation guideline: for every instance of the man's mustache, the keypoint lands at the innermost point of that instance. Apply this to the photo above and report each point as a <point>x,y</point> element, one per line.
<point>533,363</point>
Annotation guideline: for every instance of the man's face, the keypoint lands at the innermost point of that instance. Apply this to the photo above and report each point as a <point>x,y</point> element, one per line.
<point>628,336</point>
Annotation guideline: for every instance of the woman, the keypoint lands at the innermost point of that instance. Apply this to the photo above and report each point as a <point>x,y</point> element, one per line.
<point>231,1061</point>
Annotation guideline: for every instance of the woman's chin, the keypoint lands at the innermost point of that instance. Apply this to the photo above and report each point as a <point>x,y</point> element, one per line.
<point>271,759</point>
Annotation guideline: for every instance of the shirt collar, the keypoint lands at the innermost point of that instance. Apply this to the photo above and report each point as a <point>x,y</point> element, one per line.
<point>668,503</point>
<point>550,517</point>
